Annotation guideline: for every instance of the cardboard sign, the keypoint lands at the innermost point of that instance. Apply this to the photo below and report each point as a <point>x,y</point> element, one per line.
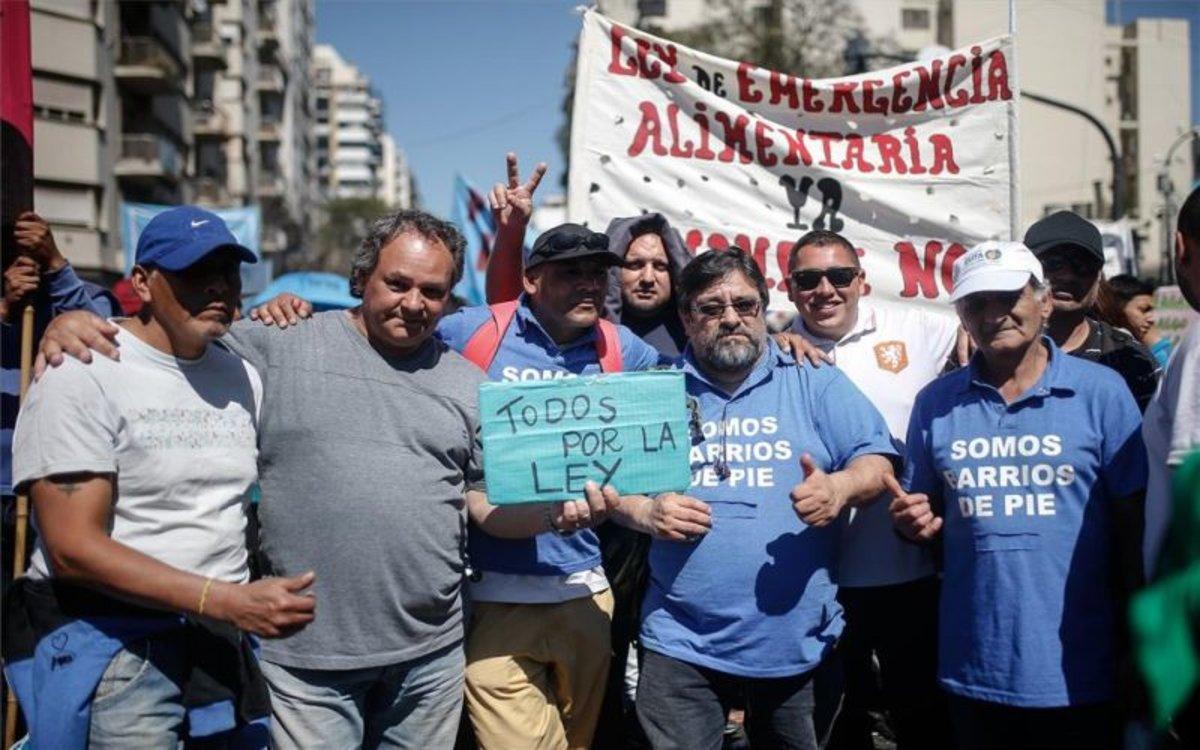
<point>913,164</point>
<point>544,440</point>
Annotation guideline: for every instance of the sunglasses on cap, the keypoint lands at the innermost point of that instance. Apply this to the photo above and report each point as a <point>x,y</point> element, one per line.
<point>810,278</point>
<point>593,241</point>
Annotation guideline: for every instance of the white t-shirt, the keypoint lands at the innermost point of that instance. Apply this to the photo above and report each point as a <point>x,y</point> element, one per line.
<point>1171,430</point>
<point>891,353</point>
<point>180,436</point>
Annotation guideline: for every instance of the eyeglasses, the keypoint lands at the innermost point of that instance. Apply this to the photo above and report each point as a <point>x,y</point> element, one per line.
<point>810,278</point>
<point>745,308</point>
<point>593,241</point>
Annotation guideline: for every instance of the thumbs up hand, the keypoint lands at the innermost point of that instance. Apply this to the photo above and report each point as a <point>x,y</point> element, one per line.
<point>818,499</point>
<point>912,514</point>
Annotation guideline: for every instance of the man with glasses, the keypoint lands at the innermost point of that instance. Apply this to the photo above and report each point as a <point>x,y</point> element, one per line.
<point>888,586</point>
<point>538,647</point>
<point>741,600</point>
<point>1072,255</point>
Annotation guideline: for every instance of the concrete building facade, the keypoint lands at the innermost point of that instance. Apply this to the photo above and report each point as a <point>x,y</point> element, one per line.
<point>356,158</point>
<point>155,102</point>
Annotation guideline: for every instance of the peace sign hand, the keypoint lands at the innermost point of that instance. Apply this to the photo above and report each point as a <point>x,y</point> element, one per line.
<point>512,204</point>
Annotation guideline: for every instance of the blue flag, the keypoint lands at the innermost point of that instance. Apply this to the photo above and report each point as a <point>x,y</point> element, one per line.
<point>471,214</point>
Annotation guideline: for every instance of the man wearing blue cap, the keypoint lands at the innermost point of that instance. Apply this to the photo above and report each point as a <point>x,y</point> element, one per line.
<point>1029,463</point>
<point>129,626</point>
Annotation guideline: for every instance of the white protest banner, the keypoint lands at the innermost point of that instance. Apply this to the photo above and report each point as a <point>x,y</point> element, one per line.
<point>912,164</point>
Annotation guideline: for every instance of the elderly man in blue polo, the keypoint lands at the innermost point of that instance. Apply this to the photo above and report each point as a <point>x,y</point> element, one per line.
<point>1030,465</point>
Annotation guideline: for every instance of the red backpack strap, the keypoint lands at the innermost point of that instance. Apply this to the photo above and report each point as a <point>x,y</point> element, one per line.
<point>485,342</point>
<point>608,346</point>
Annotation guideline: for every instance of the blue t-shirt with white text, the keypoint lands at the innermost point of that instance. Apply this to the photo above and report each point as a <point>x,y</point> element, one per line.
<point>528,353</point>
<point>755,596</point>
<point>1024,490</point>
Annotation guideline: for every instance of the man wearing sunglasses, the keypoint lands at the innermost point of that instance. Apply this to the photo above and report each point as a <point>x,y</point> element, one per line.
<point>1072,255</point>
<point>888,587</point>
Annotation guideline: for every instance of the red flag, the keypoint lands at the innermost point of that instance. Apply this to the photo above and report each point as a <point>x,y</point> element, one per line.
<point>16,119</point>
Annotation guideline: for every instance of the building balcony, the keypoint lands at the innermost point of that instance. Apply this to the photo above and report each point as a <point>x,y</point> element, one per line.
<point>270,185</point>
<point>145,66</point>
<point>146,157</point>
<point>211,191</point>
<point>207,45</point>
<point>208,121</point>
<point>270,78</point>
<point>268,28</point>
<point>270,130</point>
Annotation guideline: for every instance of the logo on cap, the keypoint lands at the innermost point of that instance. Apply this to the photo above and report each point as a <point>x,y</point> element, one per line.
<point>992,254</point>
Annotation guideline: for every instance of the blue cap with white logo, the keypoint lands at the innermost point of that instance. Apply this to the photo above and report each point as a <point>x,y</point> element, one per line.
<point>180,237</point>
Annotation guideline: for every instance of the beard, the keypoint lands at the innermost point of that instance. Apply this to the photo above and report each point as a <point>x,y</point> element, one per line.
<point>732,352</point>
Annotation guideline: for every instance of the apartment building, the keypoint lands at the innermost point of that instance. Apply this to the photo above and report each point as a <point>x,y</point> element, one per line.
<point>356,158</point>
<point>161,101</point>
<point>1134,79</point>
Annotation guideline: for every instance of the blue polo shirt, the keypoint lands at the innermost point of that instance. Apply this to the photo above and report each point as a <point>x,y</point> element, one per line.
<point>1024,489</point>
<point>528,353</point>
<point>755,597</point>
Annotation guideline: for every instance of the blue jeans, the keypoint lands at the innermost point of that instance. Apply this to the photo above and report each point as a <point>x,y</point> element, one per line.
<point>414,704</point>
<point>138,701</point>
<point>681,705</point>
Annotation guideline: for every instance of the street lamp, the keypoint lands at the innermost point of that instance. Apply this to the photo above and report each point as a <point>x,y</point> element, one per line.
<point>1166,270</point>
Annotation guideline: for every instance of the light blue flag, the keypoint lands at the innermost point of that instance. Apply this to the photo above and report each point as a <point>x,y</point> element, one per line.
<point>245,222</point>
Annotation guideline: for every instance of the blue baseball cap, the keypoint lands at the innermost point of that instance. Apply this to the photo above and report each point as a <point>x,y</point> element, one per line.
<point>180,237</point>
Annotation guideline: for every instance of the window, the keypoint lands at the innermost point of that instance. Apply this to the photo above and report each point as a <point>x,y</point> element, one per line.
<point>914,18</point>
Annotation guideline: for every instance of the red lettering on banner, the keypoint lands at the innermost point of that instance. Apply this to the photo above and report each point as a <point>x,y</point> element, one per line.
<point>889,152</point>
<point>649,129</point>
<point>901,103</point>
<point>929,88</point>
<point>871,105</point>
<point>617,65</point>
<point>683,137</point>
<point>826,139</point>
<point>958,98</point>
<point>812,102</point>
<point>921,275</point>
<point>782,85</point>
<point>843,97</point>
<point>998,78</point>
<point>745,83</point>
<point>735,138</point>
<point>648,60</point>
<point>680,148</point>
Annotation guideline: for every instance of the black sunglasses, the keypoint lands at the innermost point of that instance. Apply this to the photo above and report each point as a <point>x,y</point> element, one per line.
<point>809,279</point>
<point>593,241</point>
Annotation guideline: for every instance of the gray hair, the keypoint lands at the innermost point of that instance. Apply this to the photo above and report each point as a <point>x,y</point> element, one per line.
<point>388,228</point>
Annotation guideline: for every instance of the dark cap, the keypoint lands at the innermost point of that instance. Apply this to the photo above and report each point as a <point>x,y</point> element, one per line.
<point>180,237</point>
<point>1065,228</point>
<point>568,242</point>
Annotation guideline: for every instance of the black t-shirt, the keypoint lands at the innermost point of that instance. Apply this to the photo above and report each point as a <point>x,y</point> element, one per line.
<point>1119,350</point>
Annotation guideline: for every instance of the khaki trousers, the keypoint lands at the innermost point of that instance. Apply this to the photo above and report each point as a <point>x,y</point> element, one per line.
<point>536,673</point>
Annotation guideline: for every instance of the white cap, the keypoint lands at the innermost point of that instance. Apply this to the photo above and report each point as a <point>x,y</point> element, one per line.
<point>995,267</point>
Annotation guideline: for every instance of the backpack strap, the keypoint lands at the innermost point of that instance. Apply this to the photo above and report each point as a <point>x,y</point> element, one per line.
<point>485,342</point>
<point>608,346</point>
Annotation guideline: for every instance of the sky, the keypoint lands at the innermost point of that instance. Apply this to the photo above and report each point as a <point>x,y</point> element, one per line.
<point>464,82</point>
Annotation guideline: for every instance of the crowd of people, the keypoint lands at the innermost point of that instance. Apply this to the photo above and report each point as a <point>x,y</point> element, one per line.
<point>956,511</point>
